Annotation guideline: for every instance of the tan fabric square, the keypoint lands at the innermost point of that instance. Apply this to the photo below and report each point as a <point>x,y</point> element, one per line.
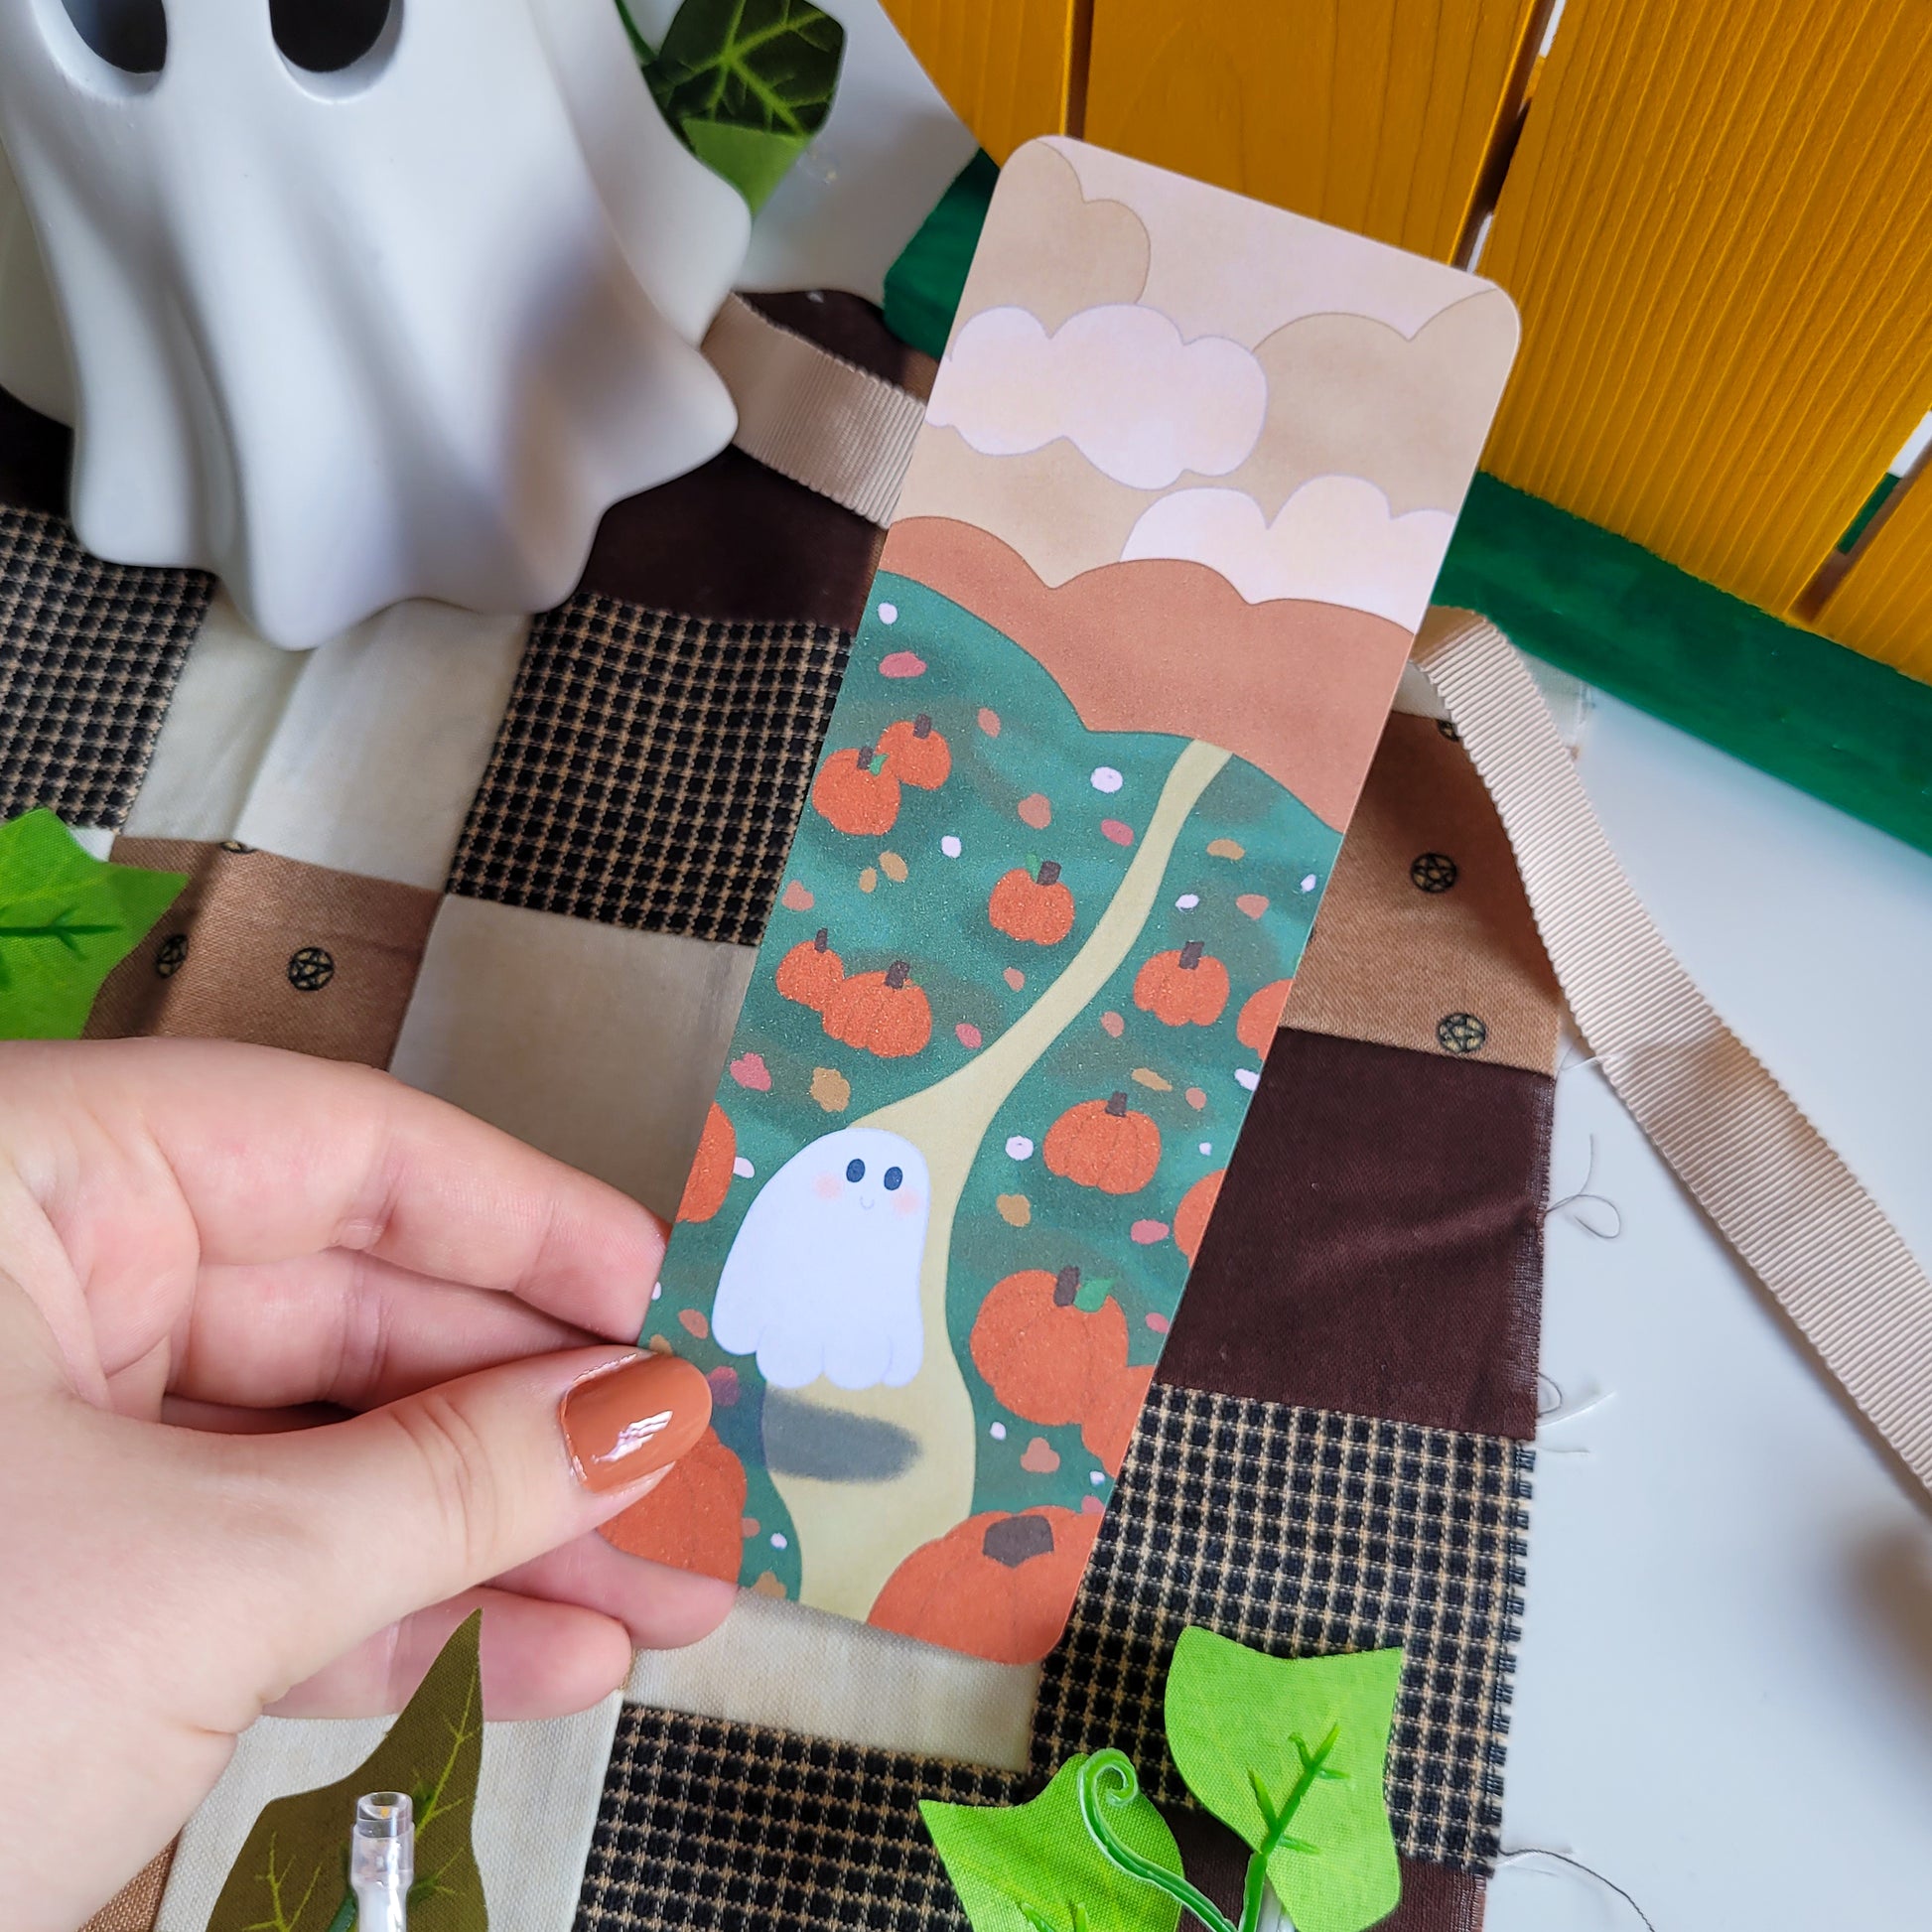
<point>270,950</point>
<point>1425,938</point>
<point>134,1906</point>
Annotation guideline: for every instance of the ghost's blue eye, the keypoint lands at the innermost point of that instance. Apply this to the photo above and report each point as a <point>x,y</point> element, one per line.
<point>892,1177</point>
<point>855,1170</point>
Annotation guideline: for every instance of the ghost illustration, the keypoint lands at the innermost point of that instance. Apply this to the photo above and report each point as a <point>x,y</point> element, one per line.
<point>823,1278</point>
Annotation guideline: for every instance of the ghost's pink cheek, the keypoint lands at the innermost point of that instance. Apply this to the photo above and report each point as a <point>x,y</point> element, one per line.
<point>910,1203</point>
<point>827,1186</point>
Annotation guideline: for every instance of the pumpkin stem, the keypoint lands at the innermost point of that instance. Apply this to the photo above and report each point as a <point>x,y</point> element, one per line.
<point>1117,1105</point>
<point>821,938</point>
<point>1015,1540</point>
<point>923,725</point>
<point>895,974</point>
<point>1190,954</point>
<point>1049,872</point>
<point>1067,1286</point>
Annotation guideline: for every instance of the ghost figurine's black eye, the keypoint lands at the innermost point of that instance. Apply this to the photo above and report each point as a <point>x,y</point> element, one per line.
<point>894,1175</point>
<point>855,1170</point>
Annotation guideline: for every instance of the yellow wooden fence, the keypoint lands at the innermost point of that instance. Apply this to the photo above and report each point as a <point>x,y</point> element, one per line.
<point>1715,215</point>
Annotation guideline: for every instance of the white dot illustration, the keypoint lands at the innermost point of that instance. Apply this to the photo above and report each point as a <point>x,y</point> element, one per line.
<point>1106,778</point>
<point>1020,1148</point>
<point>1207,1147</point>
<point>777,1539</point>
<point>1096,1475</point>
<point>997,1432</point>
<point>1248,1077</point>
<point>1308,883</point>
<point>1187,901</point>
<point>889,613</point>
<point>949,845</point>
<point>657,1289</point>
<point>743,1168</point>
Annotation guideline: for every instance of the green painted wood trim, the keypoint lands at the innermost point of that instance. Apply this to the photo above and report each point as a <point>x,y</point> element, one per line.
<point>1842,727</point>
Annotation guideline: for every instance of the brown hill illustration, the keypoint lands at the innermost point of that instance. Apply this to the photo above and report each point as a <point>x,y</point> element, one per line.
<point>1299,689</point>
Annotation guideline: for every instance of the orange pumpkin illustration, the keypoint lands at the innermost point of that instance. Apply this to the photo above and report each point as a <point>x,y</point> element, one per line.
<point>694,1519</point>
<point>1040,908</point>
<point>1042,1354</point>
<point>1104,1144</point>
<point>856,793</point>
<point>1109,1424</point>
<point>916,753</point>
<point>996,1585</point>
<point>1261,1016</point>
<point>884,1013</point>
<point>810,971</point>
<point>1197,1204</point>
<point>1189,987</point>
<point>710,1177</point>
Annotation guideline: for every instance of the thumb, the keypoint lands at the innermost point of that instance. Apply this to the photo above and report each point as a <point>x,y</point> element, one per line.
<point>401,1507</point>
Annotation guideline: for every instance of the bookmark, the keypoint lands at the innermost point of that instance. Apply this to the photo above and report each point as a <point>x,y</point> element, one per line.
<point>1188,472</point>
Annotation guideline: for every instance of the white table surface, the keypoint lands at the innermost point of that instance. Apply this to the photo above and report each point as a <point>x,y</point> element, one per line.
<point>1725,1695</point>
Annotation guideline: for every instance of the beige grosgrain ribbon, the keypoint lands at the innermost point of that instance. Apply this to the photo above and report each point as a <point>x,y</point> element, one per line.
<point>1774,1184</point>
<point>811,415</point>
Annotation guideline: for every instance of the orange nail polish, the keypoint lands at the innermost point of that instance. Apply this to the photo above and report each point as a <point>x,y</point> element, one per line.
<point>625,1421</point>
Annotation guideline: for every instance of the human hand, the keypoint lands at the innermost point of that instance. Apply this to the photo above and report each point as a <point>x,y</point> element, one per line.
<point>199,1243</point>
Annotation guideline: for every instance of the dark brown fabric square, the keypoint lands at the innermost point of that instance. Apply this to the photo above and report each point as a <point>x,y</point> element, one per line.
<point>650,768</point>
<point>738,542</point>
<point>1378,1244</point>
<point>34,452</point>
<point>89,653</point>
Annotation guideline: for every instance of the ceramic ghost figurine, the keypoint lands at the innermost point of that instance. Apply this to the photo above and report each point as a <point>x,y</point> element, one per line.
<point>401,329</point>
<point>823,1276</point>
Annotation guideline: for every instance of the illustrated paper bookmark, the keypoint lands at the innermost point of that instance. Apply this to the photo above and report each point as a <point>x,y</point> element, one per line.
<point>1189,468</point>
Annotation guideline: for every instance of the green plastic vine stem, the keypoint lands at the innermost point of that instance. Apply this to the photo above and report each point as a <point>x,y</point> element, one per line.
<point>1108,1779</point>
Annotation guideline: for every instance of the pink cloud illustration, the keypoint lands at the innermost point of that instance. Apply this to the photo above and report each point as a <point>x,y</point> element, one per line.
<point>1143,405</point>
<point>1333,541</point>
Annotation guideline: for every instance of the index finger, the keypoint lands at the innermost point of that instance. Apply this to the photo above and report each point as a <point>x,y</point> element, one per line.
<point>277,1155</point>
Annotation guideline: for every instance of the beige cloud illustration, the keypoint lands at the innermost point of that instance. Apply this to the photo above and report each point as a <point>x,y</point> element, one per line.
<point>1067,254</point>
<point>1052,505</point>
<point>1333,541</point>
<point>1347,393</point>
<point>1143,404</point>
<point>1206,247</point>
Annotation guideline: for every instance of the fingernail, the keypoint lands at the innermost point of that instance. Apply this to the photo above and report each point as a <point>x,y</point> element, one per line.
<point>625,1421</point>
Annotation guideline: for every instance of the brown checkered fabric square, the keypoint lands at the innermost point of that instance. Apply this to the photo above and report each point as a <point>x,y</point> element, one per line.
<point>1301,1531</point>
<point>650,768</point>
<point>89,657</point>
<point>1296,1530</point>
<point>708,1825</point>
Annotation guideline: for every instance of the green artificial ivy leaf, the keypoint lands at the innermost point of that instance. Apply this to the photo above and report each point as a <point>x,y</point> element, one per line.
<point>1289,1752</point>
<point>292,1875</point>
<point>1034,1868</point>
<point>67,920</point>
<point>746,84</point>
